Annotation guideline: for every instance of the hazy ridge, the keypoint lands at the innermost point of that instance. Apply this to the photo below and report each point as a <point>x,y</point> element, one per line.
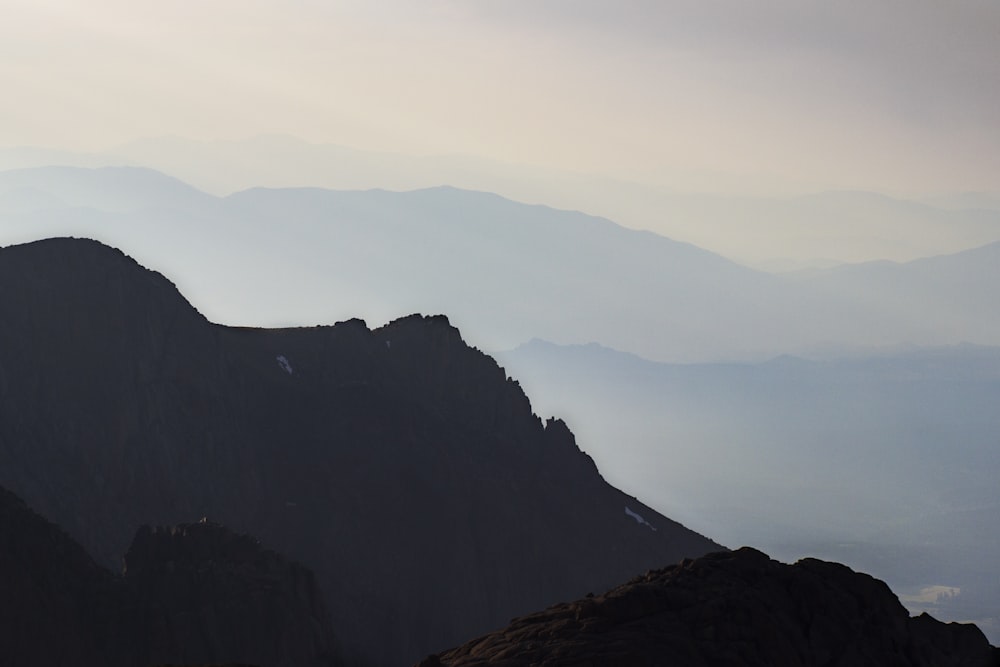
<point>507,271</point>
<point>861,433</point>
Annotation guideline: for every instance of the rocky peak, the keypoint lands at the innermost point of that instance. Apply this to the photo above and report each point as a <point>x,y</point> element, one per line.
<point>403,466</point>
<point>211,594</point>
<point>737,608</point>
<point>182,545</point>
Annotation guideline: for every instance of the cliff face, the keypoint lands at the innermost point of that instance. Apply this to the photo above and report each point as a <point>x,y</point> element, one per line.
<point>194,594</point>
<point>738,609</point>
<point>399,464</point>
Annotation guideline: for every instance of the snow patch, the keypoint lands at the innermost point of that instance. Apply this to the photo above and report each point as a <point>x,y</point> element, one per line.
<point>283,363</point>
<point>638,519</point>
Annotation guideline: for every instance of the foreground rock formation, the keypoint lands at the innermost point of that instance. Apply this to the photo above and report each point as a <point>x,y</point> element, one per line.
<point>738,609</point>
<point>190,594</point>
<point>400,465</point>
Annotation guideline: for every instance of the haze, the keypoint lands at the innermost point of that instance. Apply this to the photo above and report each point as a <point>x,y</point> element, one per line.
<point>775,97</point>
<point>781,135</point>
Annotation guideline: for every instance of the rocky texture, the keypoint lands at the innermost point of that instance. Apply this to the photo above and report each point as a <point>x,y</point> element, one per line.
<point>399,464</point>
<point>192,594</point>
<point>738,609</point>
<point>208,594</point>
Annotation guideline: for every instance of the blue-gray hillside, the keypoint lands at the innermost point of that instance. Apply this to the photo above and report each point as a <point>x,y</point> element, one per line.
<point>506,272</point>
<point>779,233</point>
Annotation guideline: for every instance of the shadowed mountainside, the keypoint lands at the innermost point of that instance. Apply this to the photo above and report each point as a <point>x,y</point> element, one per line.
<point>738,609</point>
<point>401,465</point>
<point>190,594</point>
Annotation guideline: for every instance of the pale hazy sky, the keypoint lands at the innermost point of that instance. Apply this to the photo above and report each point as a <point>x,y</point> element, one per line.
<point>781,95</point>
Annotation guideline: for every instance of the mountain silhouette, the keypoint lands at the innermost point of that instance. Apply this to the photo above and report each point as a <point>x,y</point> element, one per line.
<point>404,467</point>
<point>738,609</point>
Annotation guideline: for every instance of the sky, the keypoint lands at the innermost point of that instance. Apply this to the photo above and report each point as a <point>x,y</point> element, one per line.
<point>770,97</point>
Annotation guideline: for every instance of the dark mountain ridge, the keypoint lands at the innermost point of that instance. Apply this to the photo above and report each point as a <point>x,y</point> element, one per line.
<point>731,609</point>
<point>400,464</point>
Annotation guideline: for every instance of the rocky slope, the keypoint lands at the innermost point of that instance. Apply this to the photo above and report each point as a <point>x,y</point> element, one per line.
<point>399,464</point>
<point>191,594</point>
<point>48,585</point>
<point>209,594</point>
<point>738,609</point>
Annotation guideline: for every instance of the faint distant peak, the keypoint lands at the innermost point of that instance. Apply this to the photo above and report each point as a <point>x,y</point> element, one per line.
<point>108,188</point>
<point>966,201</point>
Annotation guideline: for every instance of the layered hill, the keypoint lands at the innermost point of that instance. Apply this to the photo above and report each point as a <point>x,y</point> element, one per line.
<point>190,594</point>
<point>400,464</point>
<point>505,271</point>
<point>842,226</point>
<point>738,609</point>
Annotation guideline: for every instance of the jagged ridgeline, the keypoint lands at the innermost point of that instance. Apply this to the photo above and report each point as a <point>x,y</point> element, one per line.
<point>400,464</point>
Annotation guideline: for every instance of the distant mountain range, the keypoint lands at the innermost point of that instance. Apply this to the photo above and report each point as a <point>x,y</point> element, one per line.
<point>400,464</point>
<point>777,233</point>
<point>506,271</point>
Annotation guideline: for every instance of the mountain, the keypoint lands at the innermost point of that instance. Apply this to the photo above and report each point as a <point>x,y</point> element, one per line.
<point>837,226</point>
<point>258,257</point>
<point>885,461</point>
<point>736,608</point>
<point>930,293</point>
<point>110,189</point>
<point>209,594</point>
<point>193,593</point>
<point>404,467</point>
<point>506,272</point>
<point>776,231</point>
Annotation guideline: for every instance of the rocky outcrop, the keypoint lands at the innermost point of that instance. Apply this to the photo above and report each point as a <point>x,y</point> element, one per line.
<point>193,594</point>
<point>208,594</point>
<point>736,608</point>
<point>399,464</point>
